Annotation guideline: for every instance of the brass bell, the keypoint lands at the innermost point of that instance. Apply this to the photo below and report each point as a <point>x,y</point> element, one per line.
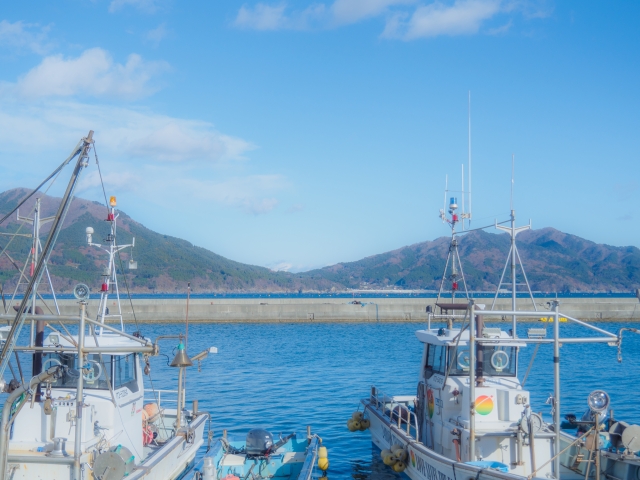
<point>181,359</point>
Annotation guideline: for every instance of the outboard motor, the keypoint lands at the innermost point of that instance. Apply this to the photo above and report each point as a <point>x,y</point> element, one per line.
<point>259,442</point>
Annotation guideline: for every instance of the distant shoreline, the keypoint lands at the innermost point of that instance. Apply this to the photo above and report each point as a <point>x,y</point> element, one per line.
<point>355,294</point>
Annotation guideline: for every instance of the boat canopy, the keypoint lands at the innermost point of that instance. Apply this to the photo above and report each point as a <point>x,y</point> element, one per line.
<point>449,338</point>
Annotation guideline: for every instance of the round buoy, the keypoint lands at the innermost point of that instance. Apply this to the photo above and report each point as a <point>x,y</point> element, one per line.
<point>401,455</point>
<point>357,415</point>
<point>351,426</point>
<point>389,459</point>
<point>356,425</point>
<point>365,423</point>
<point>151,409</point>
<point>395,447</point>
<point>323,464</point>
<point>384,453</point>
<point>399,467</point>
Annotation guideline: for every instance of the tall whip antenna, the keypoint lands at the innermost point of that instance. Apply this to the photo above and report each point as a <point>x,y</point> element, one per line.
<point>469,173</point>
<point>513,166</point>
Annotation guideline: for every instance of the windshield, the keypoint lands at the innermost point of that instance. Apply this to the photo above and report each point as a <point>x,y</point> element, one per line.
<point>98,372</point>
<point>493,360</point>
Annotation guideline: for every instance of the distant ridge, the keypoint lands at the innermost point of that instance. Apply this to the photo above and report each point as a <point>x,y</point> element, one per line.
<point>554,261</point>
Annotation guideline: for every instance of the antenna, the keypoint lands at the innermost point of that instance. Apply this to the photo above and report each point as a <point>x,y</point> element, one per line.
<point>513,162</point>
<point>444,204</point>
<point>469,115</point>
<point>463,216</point>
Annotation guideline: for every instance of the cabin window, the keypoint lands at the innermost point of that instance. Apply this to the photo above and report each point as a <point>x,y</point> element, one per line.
<point>95,374</point>
<point>124,372</point>
<point>497,361</point>
<point>436,360</point>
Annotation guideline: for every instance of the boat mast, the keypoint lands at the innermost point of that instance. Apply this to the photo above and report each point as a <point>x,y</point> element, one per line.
<point>109,274</point>
<point>513,259</point>
<point>82,152</point>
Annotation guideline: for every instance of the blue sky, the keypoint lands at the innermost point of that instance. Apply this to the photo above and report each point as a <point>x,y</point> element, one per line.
<point>301,134</point>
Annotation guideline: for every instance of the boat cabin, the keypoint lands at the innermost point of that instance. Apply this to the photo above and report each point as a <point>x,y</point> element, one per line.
<point>444,396</point>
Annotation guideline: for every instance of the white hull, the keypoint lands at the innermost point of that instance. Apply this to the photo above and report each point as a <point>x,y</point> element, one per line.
<point>168,463</point>
<point>423,463</point>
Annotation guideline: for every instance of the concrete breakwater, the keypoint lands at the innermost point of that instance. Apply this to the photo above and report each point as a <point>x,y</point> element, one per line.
<point>287,310</point>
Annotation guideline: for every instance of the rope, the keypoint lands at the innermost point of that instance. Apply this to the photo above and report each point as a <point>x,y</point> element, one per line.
<point>95,155</point>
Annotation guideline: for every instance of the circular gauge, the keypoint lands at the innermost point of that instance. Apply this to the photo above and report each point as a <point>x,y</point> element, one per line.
<point>499,360</point>
<point>463,360</point>
<point>533,424</point>
<point>81,292</point>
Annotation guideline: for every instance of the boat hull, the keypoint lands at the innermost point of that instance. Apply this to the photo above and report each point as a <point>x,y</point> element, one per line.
<point>423,463</point>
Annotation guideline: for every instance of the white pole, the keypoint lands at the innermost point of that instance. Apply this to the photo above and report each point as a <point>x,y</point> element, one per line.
<point>472,383</point>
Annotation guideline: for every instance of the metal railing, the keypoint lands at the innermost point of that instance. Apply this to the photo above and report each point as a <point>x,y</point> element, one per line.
<point>399,413</point>
<point>155,396</point>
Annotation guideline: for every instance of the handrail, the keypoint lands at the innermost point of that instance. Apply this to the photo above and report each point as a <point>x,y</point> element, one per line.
<point>375,397</point>
<point>159,393</point>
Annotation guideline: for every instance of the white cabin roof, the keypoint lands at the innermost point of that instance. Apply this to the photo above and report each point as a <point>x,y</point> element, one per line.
<point>104,340</point>
<point>450,337</point>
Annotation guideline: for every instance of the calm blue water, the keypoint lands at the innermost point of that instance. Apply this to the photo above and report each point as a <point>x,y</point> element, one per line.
<point>285,376</point>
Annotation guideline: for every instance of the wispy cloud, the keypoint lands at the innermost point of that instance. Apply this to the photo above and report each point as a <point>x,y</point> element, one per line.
<point>252,194</point>
<point>153,153</point>
<point>25,36</point>
<point>146,6</point>
<point>404,19</point>
<point>93,73</point>
<point>296,207</point>
<point>464,17</point>
<point>157,34</point>
<point>501,30</point>
<point>352,11</point>
<point>275,17</point>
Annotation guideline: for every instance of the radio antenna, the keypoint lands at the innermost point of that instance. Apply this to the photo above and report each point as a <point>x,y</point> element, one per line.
<point>469,173</point>
<point>513,166</point>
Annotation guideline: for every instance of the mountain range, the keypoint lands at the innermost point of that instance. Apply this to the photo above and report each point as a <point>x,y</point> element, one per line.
<point>554,261</point>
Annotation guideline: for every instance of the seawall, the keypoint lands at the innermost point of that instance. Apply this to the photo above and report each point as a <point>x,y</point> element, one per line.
<point>287,310</point>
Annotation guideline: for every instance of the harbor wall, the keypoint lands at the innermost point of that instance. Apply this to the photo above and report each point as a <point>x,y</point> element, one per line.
<point>287,310</point>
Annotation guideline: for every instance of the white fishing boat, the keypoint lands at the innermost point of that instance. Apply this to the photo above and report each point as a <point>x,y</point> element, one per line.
<point>472,416</point>
<point>84,413</point>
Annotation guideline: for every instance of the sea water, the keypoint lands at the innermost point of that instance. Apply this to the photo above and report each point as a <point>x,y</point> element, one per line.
<point>283,377</point>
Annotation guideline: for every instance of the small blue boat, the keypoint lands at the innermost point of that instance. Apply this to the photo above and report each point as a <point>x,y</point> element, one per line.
<point>292,457</point>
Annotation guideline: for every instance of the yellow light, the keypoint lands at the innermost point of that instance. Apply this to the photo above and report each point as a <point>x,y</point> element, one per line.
<point>112,201</point>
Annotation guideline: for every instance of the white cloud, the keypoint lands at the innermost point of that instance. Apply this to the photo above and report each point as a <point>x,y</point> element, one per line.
<point>274,17</point>
<point>280,266</point>
<point>24,36</point>
<point>146,6</point>
<point>351,11</point>
<point>501,30</point>
<point>140,152</point>
<point>296,207</point>
<point>93,73</point>
<point>252,194</point>
<point>175,140</point>
<point>120,181</point>
<point>464,17</point>
<point>157,34</point>
<point>404,19</point>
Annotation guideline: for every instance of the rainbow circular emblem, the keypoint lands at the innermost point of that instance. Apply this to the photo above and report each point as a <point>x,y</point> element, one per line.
<point>413,458</point>
<point>430,402</point>
<point>484,405</point>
